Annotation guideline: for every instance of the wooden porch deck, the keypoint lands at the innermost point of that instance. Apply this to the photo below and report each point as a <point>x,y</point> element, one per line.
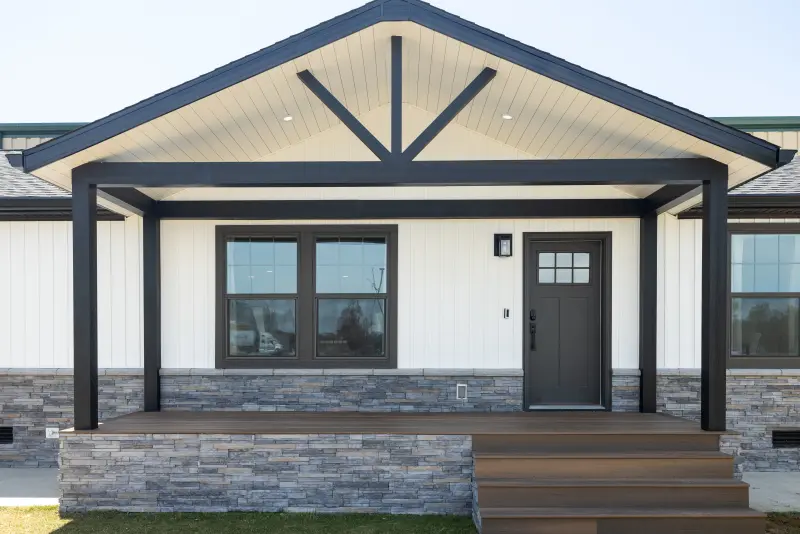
<point>492,423</point>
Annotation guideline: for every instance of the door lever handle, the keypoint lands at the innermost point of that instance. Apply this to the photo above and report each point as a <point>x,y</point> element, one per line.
<point>533,336</point>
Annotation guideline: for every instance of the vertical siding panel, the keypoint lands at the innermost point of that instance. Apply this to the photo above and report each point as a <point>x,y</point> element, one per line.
<point>671,297</point>
<point>31,283</point>
<point>133,357</point>
<point>104,309</point>
<point>202,350</point>
<point>461,294</point>
<point>697,271</point>
<point>686,290</point>
<point>169,295</point>
<point>479,279</point>
<point>661,315</point>
<point>433,293</point>
<point>6,357</point>
<point>62,301</point>
<point>20,354</point>
<point>449,273</point>
<point>46,271</point>
<point>117,278</point>
<point>406,343</point>
<point>186,306</point>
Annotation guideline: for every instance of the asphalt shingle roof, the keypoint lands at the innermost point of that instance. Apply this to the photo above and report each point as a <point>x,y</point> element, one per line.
<point>782,181</point>
<point>16,184</point>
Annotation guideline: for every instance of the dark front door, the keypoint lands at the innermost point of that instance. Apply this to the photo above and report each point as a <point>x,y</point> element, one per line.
<point>563,323</point>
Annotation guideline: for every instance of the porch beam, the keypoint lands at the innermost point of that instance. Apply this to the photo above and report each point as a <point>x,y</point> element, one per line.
<point>399,209</point>
<point>128,199</point>
<point>420,173</point>
<point>714,326</point>
<point>648,310</point>
<point>84,317</point>
<point>151,303</point>
<point>397,96</point>
<point>670,196</point>
<point>449,113</point>
<point>344,115</point>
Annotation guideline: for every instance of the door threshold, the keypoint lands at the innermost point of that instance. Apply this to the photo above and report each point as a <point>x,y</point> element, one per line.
<point>567,407</point>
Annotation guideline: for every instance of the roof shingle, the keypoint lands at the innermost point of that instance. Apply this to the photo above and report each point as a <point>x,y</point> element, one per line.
<point>16,184</point>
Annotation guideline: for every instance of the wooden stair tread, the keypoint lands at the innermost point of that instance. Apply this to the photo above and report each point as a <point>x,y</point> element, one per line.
<point>600,483</point>
<point>601,455</point>
<point>572,513</point>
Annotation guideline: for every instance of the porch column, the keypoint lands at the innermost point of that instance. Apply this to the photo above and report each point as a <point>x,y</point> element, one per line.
<point>714,296</point>
<point>84,298</point>
<point>648,310</point>
<point>151,302</point>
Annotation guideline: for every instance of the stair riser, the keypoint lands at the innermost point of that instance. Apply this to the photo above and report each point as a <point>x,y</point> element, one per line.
<point>639,525</point>
<point>603,468</point>
<point>594,442</point>
<point>610,496</point>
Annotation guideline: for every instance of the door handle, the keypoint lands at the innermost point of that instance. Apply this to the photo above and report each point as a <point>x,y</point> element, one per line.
<point>533,336</point>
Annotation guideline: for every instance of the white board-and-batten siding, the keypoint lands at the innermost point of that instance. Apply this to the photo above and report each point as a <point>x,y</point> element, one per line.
<point>36,294</point>
<point>452,290</point>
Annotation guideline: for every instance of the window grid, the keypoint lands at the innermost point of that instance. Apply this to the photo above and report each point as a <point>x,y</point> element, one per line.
<point>566,268</point>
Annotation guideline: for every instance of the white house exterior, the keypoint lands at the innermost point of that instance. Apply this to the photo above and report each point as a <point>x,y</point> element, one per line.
<point>223,281</point>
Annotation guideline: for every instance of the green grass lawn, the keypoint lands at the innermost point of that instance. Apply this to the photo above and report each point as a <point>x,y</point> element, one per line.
<point>45,519</point>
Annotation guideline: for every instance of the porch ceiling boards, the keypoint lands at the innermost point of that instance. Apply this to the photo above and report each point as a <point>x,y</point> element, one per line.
<point>236,114</point>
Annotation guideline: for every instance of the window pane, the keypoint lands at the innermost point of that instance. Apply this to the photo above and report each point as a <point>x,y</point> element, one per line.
<point>262,327</point>
<point>742,248</point>
<point>351,265</point>
<point>262,265</point>
<point>547,276</point>
<point>580,276</point>
<point>742,278</point>
<point>790,248</point>
<point>351,328</point>
<point>581,259</point>
<point>766,248</point>
<point>564,259</point>
<point>790,278</point>
<point>563,276</point>
<point>547,259</point>
<point>761,326</point>
<point>766,278</point>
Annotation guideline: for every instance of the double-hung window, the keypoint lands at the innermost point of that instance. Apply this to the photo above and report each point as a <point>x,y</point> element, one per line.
<point>765,296</point>
<point>306,296</point>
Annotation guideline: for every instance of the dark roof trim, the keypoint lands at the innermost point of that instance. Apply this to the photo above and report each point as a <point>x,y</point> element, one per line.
<point>753,206</point>
<point>45,209</point>
<point>38,128</point>
<point>430,17</point>
<point>762,124</point>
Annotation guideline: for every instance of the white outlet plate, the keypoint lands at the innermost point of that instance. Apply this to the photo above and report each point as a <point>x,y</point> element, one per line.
<point>51,433</point>
<point>461,392</point>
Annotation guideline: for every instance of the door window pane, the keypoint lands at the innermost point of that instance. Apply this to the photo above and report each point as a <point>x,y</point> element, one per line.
<point>563,276</point>
<point>262,265</point>
<point>351,328</point>
<point>581,259</point>
<point>351,265</point>
<point>580,276</point>
<point>564,259</point>
<point>547,259</point>
<point>261,327</point>
<point>571,267</point>
<point>765,326</point>
<point>547,276</point>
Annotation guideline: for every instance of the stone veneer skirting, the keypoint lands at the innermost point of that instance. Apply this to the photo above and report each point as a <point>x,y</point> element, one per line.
<point>33,399</point>
<point>379,473</point>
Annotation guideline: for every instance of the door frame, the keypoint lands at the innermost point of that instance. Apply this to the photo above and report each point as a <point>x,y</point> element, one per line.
<point>605,305</point>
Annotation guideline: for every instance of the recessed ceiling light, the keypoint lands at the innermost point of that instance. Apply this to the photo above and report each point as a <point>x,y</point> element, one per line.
<point>288,118</point>
<point>507,117</point>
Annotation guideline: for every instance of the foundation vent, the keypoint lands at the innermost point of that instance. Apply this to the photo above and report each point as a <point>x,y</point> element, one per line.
<point>786,439</point>
<point>6,435</point>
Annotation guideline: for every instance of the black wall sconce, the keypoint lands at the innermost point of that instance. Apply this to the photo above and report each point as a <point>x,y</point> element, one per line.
<point>502,245</point>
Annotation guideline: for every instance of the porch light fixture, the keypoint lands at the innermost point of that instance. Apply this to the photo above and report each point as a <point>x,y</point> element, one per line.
<point>288,118</point>
<point>507,117</point>
<point>502,245</point>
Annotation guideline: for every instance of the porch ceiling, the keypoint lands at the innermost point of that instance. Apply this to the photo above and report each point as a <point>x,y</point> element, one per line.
<point>549,119</point>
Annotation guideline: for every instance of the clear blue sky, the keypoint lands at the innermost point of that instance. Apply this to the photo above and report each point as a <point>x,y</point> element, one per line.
<point>79,60</point>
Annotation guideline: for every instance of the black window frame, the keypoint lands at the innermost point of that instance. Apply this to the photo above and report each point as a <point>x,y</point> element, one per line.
<point>751,362</point>
<point>306,299</point>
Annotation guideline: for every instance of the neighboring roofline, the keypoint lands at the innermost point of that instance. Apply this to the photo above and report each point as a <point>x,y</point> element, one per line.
<point>45,209</point>
<point>753,206</point>
<point>34,128</point>
<point>428,16</point>
<point>762,124</point>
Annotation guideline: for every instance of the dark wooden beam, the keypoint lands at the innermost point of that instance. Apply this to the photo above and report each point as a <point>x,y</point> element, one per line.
<point>128,199</point>
<point>399,209</point>
<point>84,290</point>
<point>648,310</point>
<point>344,115</point>
<point>397,96</point>
<point>670,196</point>
<point>714,326</point>
<point>421,173</point>
<point>151,302</point>
<point>449,113</point>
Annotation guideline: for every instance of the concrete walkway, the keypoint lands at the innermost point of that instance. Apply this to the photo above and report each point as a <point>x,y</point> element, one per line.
<point>769,492</point>
<point>28,487</point>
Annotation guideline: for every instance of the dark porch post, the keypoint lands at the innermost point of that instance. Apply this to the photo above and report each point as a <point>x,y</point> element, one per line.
<point>84,298</point>
<point>151,302</point>
<point>648,310</point>
<point>714,297</point>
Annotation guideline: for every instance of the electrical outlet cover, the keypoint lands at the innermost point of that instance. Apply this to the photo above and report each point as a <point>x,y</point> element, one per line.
<point>51,433</point>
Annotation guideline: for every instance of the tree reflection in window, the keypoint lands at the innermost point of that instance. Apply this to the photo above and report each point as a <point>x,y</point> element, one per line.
<point>351,328</point>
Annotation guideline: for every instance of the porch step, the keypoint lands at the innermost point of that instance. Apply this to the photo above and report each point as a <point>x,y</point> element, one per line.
<point>623,494</point>
<point>594,442</point>
<point>663,520</point>
<point>604,465</point>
